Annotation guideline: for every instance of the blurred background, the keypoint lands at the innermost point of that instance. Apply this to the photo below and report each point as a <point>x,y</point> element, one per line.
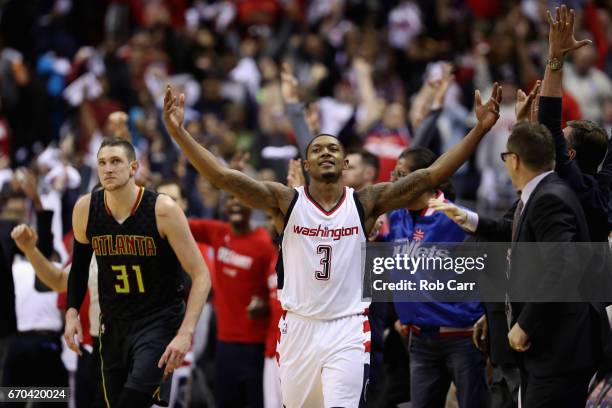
<point>371,72</point>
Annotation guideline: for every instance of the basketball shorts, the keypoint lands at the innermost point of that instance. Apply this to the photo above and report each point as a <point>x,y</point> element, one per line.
<point>130,351</point>
<point>323,363</point>
<point>271,384</point>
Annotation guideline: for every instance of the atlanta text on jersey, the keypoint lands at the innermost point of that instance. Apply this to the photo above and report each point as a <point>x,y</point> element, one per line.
<point>112,245</point>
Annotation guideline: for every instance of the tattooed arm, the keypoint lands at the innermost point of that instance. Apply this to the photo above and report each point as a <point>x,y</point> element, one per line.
<point>253,193</point>
<point>383,197</point>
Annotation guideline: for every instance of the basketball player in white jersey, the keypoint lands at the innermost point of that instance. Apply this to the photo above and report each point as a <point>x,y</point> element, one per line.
<point>323,350</point>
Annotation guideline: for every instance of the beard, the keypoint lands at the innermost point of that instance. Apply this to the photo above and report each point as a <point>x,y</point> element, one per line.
<point>331,177</point>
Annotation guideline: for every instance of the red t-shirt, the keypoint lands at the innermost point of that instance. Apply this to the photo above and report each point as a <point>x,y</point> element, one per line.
<point>570,109</point>
<point>242,264</point>
<point>387,146</point>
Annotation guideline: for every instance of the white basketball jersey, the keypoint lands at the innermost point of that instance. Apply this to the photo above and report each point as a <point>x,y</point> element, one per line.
<point>321,254</point>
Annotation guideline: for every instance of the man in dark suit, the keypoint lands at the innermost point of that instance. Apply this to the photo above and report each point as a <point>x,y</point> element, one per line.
<point>556,343</point>
<point>556,340</point>
<point>581,146</point>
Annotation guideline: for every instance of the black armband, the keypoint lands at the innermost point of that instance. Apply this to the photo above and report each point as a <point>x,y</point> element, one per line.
<point>79,274</point>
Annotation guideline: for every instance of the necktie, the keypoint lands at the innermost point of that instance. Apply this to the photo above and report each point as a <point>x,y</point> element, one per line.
<point>515,220</point>
<point>515,224</point>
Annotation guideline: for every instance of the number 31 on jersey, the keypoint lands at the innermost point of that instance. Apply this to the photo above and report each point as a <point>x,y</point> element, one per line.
<point>123,285</point>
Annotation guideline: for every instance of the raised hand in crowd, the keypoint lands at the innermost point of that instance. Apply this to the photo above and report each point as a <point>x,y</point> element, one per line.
<point>29,185</point>
<point>295,175</point>
<point>441,86</point>
<point>25,238</point>
<point>313,119</point>
<point>561,39</point>
<point>289,85</point>
<point>535,106</point>
<point>526,104</point>
<point>488,113</point>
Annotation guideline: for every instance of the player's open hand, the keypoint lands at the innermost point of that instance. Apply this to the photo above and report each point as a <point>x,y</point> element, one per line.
<point>175,353</point>
<point>561,38</point>
<point>71,329</point>
<point>453,212</point>
<point>25,237</point>
<point>174,109</point>
<point>488,113</point>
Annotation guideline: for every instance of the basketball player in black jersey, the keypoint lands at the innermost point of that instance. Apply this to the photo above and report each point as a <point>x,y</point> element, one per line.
<point>139,238</point>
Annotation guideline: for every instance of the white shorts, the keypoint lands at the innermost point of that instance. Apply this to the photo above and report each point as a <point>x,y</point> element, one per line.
<point>271,384</point>
<point>323,363</point>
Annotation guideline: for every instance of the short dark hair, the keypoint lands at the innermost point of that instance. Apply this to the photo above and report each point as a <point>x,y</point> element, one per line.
<point>590,142</point>
<point>534,145</point>
<point>177,182</point>
<point>321,135</point>
<point>9,193</point>
<point>128,147</point>
<point>421,158</point>
<point>368,158</point>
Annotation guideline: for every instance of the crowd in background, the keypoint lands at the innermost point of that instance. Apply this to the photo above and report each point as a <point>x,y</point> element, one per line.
<point>370,72</point>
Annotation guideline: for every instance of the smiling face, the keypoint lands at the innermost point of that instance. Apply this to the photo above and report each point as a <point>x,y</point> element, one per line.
<point>325,159</point>
<point>114,168</point>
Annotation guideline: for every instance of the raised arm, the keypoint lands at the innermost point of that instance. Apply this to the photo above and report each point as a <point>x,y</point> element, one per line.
<point>384,197</point>
<point>52,276</point>
<point>251,192</point>
<point>294,109</point>
<point>560,42</point>
<point>367,94</point>
<point>427,131</point>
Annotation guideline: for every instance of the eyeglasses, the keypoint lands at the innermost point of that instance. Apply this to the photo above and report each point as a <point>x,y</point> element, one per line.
<point>505,154</point>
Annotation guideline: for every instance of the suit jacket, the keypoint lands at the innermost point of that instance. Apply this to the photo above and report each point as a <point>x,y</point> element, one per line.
<point>499,349</point>
<point>563,335</point>
<point>593,190</point>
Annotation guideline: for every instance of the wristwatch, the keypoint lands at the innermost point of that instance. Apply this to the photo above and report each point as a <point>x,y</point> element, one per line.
<point>555,64</point>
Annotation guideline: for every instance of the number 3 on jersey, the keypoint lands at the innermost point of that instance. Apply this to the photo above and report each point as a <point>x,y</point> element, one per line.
<point>326,250</point>
<point>122,277</point>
